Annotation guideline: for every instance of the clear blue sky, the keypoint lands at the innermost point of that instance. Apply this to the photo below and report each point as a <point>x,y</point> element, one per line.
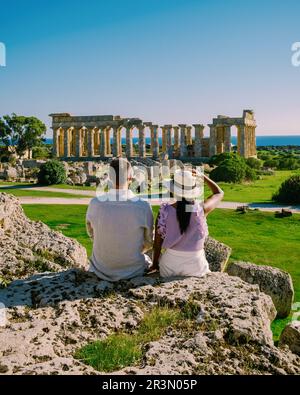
<point>166,61</point>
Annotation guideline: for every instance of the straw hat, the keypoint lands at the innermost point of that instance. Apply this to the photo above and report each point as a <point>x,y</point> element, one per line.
<point>184,185</point>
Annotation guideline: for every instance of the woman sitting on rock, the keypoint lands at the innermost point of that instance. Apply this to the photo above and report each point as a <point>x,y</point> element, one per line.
<point>181,227</point>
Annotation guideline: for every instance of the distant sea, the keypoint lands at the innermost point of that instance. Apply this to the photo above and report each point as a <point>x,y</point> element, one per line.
<point>260,140</point>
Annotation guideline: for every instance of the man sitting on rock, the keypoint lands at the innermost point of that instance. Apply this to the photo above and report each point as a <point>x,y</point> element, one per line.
<point>121,226</point>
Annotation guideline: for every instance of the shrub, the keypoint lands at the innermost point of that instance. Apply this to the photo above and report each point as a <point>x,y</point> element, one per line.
<point>216,160</point>
<point>230,170</point>
<point>254,163</point>
<point>263,156</point>
<point>288,164</point>
<point>289,191</point>
<point>272,163</point>
<point>251,174</point>
<point>52,172</point>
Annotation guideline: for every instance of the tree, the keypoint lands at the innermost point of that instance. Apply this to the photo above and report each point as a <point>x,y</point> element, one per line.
<point>254,163</point>
<point>41,152</point>
<point>217,159</point>
<point>231,170</point>
<point>20,133</point>
<point>289,191</point>
<point>52,172</point>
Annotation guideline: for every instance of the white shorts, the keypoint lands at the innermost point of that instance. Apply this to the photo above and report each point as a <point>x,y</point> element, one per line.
<point>183,263</point>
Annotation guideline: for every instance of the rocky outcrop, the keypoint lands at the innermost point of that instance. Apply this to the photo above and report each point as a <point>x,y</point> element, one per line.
<point>28,247</point>
<point>50,315</point>
<point>290,336</point>
<point>217,254</point>
<point>272,281</point>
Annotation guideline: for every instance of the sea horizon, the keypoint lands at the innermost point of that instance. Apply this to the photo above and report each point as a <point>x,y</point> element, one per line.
<point>262,140</point>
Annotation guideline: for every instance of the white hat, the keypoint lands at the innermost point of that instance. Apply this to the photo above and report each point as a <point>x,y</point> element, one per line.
<point>184,185</point>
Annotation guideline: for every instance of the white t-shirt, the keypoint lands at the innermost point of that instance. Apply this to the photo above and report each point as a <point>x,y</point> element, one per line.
<point>122,230</point>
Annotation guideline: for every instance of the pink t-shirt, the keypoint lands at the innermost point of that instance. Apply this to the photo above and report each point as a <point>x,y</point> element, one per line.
<point>192,239</point>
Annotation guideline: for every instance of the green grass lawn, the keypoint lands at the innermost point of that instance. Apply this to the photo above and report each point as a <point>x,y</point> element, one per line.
<point>32,193</point>
<point>259,191</point>
<point>256,236</point>
<point>78,187</point>
<point>69,219</point>
<point>11,187</point>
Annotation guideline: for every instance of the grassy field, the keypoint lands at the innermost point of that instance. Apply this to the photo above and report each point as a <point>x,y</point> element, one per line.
<point>255,236</point>
<point>16,189</point>
<point>31,193</point>
<point>259,191</point>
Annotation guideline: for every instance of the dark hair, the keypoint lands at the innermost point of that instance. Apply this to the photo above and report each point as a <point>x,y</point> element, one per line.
<point>183,215</point>
<point>118,170</point>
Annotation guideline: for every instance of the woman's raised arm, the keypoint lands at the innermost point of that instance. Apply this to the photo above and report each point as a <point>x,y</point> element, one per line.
<point>213,200</point>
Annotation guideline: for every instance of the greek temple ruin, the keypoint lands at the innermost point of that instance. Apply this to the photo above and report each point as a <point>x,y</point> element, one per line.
<point>100,136</point>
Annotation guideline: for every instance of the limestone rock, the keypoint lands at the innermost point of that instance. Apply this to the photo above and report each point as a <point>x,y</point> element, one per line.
<point>10,173</point>
<point>217,254</point>
<point>272,281</point>
<point>290,336</point>
<point>51,315</point>
<point>78,176</point>
<point>238,309</point>
<point>28,247</point>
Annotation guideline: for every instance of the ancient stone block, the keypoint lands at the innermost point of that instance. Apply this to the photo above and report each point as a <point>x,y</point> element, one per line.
<point>272,281</point>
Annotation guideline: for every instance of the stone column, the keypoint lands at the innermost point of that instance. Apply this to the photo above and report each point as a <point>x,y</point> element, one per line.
<point>96,141</point>
<point>108,144</point>
<point>78,150</point>
<point>183,148</point>
<point>198,140</point>
<point>55,148</point>
<point>66,143</point>
<point>142,143</point>
<point>248,151</point>
<point>120,141</point>
<point>169,146</point>
<point>103,143</point>
<point>248,131</point>
<point>116,142</point>
<point>254,153</point>
<point>176,137</point>
<point>151,139</point>
<point>154,130</point>
<point>59,142</point>
<point>72,141</point>
<point>129,146</point>
<point>90,145</point>
<point>189,139</point>
<point>242,140</point>
<point>212,140</point>
<point>164,139</point>
<point>227,142</point>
